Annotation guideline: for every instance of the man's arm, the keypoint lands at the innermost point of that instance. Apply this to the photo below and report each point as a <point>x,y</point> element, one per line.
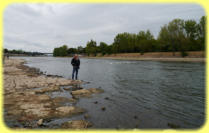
<point>72,62</point>
<point>78,63</point>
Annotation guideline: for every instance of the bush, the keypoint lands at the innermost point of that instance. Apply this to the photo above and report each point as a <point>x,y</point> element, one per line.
<point>183,53</point>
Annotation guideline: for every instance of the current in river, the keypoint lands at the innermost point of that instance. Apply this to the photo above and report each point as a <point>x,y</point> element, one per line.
<point>137,94</point>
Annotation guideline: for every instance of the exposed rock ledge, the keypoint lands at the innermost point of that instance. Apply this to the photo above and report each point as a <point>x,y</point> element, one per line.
<point>24,103</point>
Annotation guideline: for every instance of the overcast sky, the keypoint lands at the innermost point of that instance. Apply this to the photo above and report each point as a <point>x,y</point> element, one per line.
<point>41,27</point>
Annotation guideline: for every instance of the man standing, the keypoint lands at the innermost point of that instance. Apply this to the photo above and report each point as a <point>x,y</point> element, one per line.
<point>76,65</point>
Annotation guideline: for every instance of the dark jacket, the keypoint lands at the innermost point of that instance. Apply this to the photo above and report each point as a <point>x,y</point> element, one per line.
<point>75,63</point>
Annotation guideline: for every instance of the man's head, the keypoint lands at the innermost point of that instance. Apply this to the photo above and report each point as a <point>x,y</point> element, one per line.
<point>76,56</point>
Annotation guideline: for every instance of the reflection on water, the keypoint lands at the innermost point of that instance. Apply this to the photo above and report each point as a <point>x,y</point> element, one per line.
<point>143,94</point>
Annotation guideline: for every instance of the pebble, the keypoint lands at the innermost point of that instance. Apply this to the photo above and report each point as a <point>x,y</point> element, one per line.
<point>173,125</point>
<point>103,108</point>
<point>107,98</point>
<point>86,116</point>
<point>40,122</point>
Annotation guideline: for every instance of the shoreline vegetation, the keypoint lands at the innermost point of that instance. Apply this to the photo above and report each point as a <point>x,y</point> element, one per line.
<point>179,38</point>
<point>27,103</point>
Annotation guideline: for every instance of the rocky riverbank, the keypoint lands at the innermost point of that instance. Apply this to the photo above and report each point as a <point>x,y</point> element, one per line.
<point>28,105</point>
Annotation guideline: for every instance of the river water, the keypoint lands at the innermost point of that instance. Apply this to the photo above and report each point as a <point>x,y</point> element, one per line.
<point>138,94</point>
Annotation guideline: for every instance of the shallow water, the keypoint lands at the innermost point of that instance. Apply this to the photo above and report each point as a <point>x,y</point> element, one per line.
<point>141,94</point>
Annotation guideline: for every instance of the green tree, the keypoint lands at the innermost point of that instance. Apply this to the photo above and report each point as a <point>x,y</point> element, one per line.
<point>61,51</point>
<point>6,50</point>
<point>91,47</point>
<point>202,32</point>
<point>144,42</point>
<point>64,50</point>
<point>103,48</point>
<point>80,49</point>
<point>109,49</point>
<point>56,52</point>
<point>72,51</point>
<point>191,27</point>
<point>173,35</point>
<point>124,42</point>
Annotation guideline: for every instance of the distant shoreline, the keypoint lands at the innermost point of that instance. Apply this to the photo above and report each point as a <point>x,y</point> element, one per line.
<point>152,59</point>
<point>192,56</point>
<point>137,59</point>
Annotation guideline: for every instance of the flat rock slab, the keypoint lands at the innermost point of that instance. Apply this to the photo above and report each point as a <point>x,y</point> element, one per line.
<point>68,111</point>
<point>86,92</point>
<point>76,124</point>
<point>63,100</point>
<point>47,89</point>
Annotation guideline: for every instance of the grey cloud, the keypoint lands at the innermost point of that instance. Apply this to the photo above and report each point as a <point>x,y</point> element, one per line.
<point>42,27</point>
<point>24,43</point>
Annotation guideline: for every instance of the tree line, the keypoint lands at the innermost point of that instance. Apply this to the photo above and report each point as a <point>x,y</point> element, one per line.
<point>177,35</point>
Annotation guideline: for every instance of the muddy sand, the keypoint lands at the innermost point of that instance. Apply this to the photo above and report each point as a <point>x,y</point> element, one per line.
<point>28,105</point>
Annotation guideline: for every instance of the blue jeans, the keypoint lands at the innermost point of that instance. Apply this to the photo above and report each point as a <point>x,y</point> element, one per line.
<point>75,71</point>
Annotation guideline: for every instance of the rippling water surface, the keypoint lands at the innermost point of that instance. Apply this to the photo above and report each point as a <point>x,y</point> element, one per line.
<point>142,94</point>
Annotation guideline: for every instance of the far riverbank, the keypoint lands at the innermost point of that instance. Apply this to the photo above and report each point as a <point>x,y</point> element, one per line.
<point>194,56</point>
<point>191,56</point>
<point>153,59</point>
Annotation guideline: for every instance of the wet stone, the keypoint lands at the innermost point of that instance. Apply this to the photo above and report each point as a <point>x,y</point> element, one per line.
<point>103,108</point>
<point>106,98</point>
<point>68,111</point>
<point>47,89</point>
<point>72,100</point>
<point>86,116</point>
<point>86,92</point>
<point>40,122</point>
<point>60,100</point>
<point>66,88</point>
<point>171,125</point>
<point>76,87</point>
<point>77,124</point>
